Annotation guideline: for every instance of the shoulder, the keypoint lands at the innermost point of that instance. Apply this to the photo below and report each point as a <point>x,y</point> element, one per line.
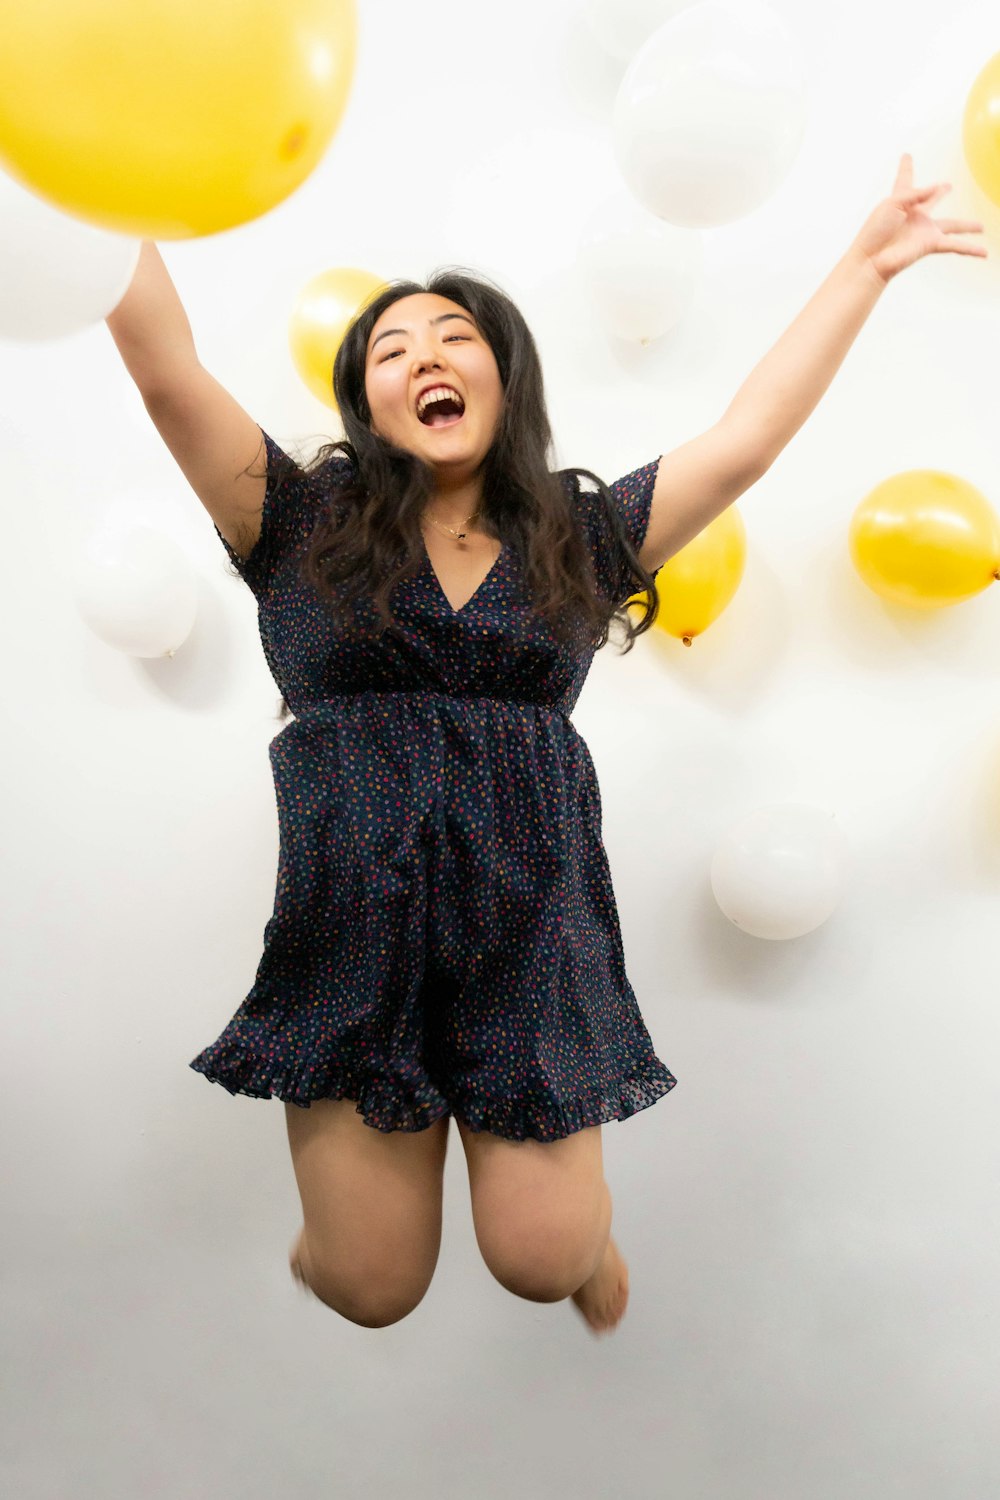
<point>312,479</point>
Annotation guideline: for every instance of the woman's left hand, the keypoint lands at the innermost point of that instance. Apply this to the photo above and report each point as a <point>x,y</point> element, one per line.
<point>900,231</point>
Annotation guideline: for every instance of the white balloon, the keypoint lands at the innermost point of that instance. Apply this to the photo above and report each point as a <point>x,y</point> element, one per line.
<point>710,114</point>
<point>621,26</point>
<point>780,871</point>
<point>58,275</point>
<point>137,593</point>
<point>641,273</point>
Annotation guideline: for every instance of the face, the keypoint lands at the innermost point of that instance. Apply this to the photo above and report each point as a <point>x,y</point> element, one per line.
<point>424,340</point>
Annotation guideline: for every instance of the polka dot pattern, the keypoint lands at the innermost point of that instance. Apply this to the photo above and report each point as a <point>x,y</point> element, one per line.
<point>444,938</point>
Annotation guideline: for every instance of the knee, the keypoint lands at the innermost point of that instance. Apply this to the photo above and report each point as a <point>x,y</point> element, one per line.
<point>370,1302</point>
<point>543,1271</point>
<point>546,1257</point>
<point>375,1298</point>
<point>538,1286</point>
<point>537,1281</point>
<point>368,1307</point>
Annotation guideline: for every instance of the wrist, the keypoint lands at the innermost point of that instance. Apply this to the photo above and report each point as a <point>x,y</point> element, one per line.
<point>861,262</point>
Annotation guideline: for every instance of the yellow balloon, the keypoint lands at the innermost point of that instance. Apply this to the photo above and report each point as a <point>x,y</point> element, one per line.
<point>981,129</point>
<point>171,121</point>
<point>325,307</point>
<point>695,585</point>
<point>925,539</point>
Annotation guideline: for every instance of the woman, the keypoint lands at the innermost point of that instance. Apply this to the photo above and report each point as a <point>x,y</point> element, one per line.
<point>444,937</point>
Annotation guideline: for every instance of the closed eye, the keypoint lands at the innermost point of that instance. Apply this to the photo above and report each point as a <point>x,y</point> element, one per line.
<point>466,338</point>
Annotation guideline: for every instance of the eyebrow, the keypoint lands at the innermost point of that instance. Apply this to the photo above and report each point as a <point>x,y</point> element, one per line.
<point>443,318</point>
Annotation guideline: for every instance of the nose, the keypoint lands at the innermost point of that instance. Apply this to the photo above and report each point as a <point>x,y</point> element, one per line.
<point>427,359</point>
<point>424,365</point>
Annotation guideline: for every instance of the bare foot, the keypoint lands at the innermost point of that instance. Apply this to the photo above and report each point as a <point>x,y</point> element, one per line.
<point>295,1261</point>
<point>604,1298</point>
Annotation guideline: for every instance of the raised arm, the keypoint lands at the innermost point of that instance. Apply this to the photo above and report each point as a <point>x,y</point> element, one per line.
<point>209,434</point>
<point>698,481</point>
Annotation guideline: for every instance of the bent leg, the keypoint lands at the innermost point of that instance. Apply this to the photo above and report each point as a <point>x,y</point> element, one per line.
<point>372,1207</point>
<point>541,1209</point>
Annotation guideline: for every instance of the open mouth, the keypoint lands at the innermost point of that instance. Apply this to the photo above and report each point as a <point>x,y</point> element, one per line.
<point>444,413</point>
<point>436,420</point>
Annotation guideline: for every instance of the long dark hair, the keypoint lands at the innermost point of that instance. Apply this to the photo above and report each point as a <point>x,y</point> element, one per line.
<point>370,540</point>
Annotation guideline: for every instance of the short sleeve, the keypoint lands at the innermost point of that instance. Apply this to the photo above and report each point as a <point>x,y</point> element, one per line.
<point>292,501</point>
<point>631,502</point>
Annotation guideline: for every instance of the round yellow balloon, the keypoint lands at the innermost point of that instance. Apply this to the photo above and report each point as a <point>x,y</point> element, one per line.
<point>695,585</point>
<point>171,121</point>
<point>981,129</point>
<point>325,308</point>
<point>925,539</point>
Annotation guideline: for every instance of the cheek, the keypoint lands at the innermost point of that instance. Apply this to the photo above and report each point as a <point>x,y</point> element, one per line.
<point>387,395</point>
<point>376,400</point>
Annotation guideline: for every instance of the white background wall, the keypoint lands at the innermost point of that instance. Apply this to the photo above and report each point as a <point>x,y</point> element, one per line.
<point>811,1216</point>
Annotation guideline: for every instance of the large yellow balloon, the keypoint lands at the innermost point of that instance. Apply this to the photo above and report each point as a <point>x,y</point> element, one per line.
<point>325,307</point>
<point>925,539</point>
<point>695,585</point>
<point>981,129</point>
<point>167,121</point>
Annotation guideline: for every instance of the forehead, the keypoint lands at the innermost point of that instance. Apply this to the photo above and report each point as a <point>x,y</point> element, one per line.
<point>414,311</point>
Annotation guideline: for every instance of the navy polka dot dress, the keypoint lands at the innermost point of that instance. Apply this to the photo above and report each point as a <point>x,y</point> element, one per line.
<point>444,937</point>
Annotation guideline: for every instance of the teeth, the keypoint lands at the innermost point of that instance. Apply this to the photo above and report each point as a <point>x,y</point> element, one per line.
<point>434,393</point>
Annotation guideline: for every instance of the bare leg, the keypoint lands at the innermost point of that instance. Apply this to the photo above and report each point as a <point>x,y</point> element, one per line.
<point>603,1297</point>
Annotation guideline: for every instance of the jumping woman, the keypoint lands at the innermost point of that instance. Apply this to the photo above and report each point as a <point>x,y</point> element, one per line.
<point>445,939</point>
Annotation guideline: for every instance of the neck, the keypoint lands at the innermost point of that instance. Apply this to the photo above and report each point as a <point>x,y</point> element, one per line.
<point>454,506</point>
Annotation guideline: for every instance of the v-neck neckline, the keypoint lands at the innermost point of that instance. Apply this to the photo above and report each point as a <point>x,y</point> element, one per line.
<point>479,587</point>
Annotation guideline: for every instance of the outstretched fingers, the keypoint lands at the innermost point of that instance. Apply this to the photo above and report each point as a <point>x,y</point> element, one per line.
<point>958,247</point>
<point>920,195</point>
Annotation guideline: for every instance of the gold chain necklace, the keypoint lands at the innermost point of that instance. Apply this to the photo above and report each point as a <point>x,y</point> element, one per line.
<point>459,534</point>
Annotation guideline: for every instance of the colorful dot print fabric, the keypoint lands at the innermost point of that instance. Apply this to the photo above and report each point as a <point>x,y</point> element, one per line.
<point>444,938</point>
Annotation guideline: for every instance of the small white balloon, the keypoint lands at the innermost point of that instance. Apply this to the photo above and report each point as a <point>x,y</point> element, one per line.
<point>621,26</point>
<point>710,114</point>
<point>138,593</point>
<point>58,275</point>
<point>641,273</point>
<point>780,871</point>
